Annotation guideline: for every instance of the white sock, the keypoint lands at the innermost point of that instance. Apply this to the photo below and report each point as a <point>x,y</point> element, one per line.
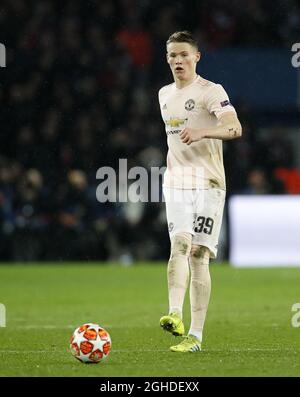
<point>197,334</point>
<point>177,310</point>
<point>200,287</point>
<point>178,271</point>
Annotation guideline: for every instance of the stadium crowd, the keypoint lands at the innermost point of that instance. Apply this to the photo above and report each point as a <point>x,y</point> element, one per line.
<point>80,92</point>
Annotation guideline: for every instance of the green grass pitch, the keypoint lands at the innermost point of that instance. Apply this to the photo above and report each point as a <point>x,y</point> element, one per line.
<point>248,329</point>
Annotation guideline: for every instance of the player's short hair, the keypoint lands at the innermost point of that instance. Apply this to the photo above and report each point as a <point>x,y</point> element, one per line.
<point>183,36</point>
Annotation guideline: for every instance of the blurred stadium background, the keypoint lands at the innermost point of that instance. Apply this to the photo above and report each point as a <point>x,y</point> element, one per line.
<point>79,91</point>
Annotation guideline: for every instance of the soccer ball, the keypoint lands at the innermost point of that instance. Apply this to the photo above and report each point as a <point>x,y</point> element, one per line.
<point>90,343</point>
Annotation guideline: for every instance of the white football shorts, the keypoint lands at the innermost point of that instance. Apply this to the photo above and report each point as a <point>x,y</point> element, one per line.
<point>198,212</point>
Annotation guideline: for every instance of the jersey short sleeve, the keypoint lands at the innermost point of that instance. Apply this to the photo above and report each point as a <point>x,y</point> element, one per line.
<point>217,101</point>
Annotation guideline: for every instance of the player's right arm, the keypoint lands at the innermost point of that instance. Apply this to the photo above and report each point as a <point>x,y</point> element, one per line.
<point>229,127</point>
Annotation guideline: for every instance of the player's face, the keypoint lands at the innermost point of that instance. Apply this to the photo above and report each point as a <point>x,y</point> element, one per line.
<point>182,58</point>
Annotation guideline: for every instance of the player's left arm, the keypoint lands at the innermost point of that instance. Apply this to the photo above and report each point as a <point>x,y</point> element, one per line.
<point>229,127</point>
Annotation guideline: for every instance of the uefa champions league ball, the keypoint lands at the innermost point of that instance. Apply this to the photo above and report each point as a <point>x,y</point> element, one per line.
<point>90,343</point>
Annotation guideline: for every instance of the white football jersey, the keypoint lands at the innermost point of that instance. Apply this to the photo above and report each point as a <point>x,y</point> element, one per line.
<point>198,105</point>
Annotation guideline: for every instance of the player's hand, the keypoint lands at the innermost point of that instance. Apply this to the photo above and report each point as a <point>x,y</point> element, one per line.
<point>189,135</point>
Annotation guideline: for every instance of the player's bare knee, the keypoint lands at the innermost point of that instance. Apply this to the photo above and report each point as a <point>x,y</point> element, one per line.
<point>181,245</point>
<point>200,254</point>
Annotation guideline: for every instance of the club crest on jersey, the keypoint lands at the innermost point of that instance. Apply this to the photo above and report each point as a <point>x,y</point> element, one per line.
<point>190,104</point>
